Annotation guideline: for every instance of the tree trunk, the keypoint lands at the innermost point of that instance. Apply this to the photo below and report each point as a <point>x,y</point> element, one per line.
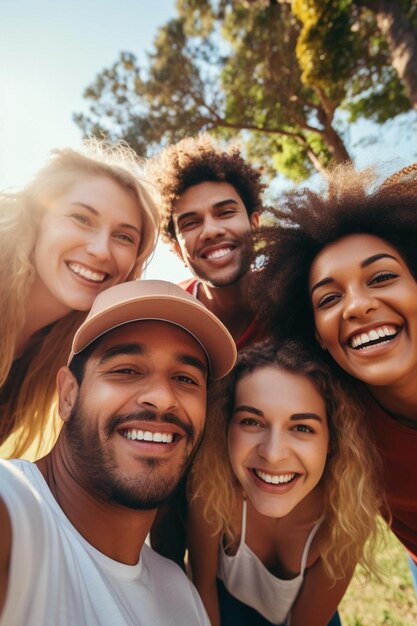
<point>401,38</point>
<point>334,142</point>
<point>336,146</point>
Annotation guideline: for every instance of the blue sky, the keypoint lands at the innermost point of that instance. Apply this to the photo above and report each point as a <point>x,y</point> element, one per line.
<point>50,51</point>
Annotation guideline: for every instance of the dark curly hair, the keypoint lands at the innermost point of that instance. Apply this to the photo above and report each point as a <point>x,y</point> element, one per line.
<point>196,160</point>
<point>306,222</point>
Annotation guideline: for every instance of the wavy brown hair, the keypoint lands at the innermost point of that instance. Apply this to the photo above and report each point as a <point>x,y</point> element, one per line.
<point>27,391</point>
<point>351,476</point>
<point>196,160</point>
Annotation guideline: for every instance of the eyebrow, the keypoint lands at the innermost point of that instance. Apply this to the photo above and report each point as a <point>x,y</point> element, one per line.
<point>139,349</point>
<point>294,417</point>
<point>95,212</point>
<point>216,205</point>
<point>135,349</point>
<point>188,359</point>
<point>376,257</point>
<point>306,416</point>
<point>364,263</point>
<point>248,409</point>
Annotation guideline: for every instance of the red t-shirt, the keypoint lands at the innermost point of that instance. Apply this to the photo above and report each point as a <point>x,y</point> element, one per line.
<point>397,445</point>
<point>251,334</point>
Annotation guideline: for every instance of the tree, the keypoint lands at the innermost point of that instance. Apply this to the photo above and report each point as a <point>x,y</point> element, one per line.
<point>364,50</point>
<point>231,68</point>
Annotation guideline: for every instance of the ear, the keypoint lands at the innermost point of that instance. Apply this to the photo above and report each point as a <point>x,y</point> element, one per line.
<point>67,391</point>
<point>320,341</point>
<point>254,220</point>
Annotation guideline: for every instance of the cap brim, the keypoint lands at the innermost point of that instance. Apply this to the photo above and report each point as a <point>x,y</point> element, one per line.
<point>192,317</point>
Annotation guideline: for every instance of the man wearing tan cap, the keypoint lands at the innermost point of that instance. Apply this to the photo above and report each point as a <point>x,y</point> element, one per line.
<point>133,403</point>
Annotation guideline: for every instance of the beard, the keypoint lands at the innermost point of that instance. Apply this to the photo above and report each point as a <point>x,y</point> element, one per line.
<point>93,456</point>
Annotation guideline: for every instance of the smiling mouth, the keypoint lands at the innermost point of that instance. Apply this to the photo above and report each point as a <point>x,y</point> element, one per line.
<point>275,479</point>
<point>83,272</point>
<point>217,254</point>
<point>148,436</point>
<point>376,336</point>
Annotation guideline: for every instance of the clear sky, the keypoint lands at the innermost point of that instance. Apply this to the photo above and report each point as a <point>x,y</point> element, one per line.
<point>50,51</point>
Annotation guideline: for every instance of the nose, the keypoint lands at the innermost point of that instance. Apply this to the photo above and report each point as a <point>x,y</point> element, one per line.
<point>358,302</point>
<point>98,245</point>
<point>212,228</point>
<point>157,394</point>
<point>274,446</point>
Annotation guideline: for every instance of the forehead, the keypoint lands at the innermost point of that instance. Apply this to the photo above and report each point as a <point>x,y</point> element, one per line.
<point>102,192</point>
<point>350,250</point>
<point>155,336</point>
<point>204,196</point>
<point>283,390</point>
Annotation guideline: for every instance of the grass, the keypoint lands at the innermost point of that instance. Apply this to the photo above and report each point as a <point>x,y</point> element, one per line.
<point>389,602</point>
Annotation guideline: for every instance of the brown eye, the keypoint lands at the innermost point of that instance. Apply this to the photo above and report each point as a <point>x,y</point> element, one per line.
<point>383,277</point>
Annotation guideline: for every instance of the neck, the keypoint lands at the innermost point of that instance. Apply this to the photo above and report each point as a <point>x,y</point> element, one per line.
<point>400,402</point>
<point>229,304</point>
<point>114,530</point>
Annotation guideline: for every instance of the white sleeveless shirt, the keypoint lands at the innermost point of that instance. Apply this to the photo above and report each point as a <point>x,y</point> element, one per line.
<point>247,579</point>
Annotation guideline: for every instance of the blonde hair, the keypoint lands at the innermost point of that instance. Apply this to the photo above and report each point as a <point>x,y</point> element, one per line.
<point>28,401</point>
<point>351,477</point>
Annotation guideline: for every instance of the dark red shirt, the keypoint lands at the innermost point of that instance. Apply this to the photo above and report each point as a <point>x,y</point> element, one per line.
<point>397,445</point>
<point>251,335</point>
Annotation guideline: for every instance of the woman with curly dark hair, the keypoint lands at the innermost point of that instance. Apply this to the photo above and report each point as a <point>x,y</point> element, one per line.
<point>341,273</point>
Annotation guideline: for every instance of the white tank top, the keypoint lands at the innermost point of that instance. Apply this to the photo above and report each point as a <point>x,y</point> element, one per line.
<point>247,579</point>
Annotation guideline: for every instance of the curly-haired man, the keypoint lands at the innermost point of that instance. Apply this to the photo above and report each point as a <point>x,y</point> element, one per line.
<point>211,199</point>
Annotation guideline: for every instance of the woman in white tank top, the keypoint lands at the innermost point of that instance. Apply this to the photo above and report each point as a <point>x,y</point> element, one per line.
<point>282,494</point>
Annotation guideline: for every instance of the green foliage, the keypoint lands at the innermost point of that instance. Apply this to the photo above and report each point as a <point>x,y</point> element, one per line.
<point>273,73</point>
<point>388,602</point>
<point>326,63</point>
<point>342,52</point>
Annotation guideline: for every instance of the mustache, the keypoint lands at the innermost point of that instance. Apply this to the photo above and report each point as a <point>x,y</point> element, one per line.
<point>150,416</point>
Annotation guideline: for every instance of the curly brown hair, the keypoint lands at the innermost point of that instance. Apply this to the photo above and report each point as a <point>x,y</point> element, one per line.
<point>350,514</point>
<point>195,160</point>
<point>307,221</point>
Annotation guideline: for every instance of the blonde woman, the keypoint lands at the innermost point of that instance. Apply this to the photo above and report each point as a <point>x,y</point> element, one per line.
<point>282,494</point>
<point>86,221</point>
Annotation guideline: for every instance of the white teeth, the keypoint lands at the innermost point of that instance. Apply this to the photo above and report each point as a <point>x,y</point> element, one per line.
<point>373,335</point>
<point>147,435</point>
<point>218,254</point>
<point>274,479</point>
<point>96,277</point>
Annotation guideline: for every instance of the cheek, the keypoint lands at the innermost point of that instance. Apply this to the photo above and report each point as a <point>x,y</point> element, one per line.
<point>236,447</point>
<point>318,458</point>
<point>125,261</point>
<point>197,410</point>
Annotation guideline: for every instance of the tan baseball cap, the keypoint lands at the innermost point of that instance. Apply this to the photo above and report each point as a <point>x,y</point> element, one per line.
<point>163,301</point>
